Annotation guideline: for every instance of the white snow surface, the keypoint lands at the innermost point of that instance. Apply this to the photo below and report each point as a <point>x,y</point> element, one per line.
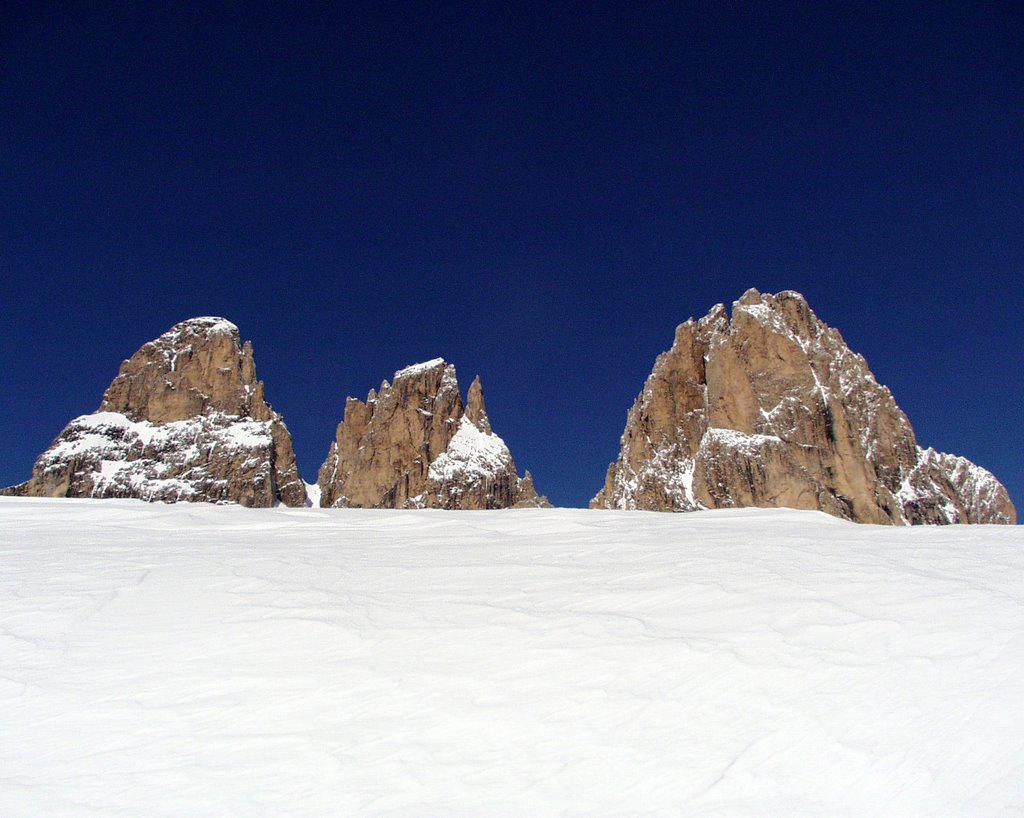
<point>113,447</point>
<point>220,661</point>
<point>312,493</point>
<point>205,324</point>
<point>417,369</point>
<point>113,433</point>
<point>745,443</point>
<point>472,455</point>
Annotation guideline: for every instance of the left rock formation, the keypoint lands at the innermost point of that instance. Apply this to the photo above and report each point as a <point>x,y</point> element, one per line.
<point>414,444</point>
<point>185,419</point>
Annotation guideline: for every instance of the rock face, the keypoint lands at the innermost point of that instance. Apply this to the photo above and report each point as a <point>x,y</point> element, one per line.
<point>413,444</point>
<point>771,408</point>
<point>185,419</point>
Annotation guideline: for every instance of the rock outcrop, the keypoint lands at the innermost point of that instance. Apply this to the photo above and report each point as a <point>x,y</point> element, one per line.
<point>771,408</point>
<point>413,444</point>
<point>185,419</point>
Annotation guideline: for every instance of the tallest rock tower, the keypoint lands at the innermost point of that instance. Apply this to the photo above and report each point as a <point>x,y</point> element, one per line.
<point>770,408</point>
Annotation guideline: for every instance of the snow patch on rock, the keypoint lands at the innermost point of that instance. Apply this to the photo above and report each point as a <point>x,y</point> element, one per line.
<point>181,460</point>
<point>472,455</point>
<point>413,370</point>
<point>740,441</point>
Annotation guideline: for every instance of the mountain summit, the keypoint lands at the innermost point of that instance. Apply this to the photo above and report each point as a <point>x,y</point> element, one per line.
<point>771,408</point>
<point>185,419</point>
<point>413,444</point>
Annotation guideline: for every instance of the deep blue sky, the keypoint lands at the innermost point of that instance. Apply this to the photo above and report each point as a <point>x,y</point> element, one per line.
<point>538,193</point>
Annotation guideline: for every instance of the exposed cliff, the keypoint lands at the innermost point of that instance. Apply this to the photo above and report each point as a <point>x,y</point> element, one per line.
<point>771,408</point>
<point>185,419</point>
<point>413,444</point>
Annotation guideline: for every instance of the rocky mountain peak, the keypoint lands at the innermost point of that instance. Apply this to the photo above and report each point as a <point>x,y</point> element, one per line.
<point>185,419</point>
<point>476,411</point>
<point>414,444</point>
<point>196,367</point>
<point>769,407</point>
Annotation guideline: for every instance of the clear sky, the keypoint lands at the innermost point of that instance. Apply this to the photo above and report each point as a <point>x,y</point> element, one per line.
<point>538,193</point>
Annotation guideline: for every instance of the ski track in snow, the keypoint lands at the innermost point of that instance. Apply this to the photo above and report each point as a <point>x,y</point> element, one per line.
<point>200,660</point>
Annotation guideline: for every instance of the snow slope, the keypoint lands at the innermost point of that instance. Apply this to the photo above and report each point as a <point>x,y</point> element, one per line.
<point>204,660</point>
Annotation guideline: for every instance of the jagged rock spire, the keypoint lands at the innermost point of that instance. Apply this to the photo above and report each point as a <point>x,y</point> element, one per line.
<point>476,411</point>
<point>413,444</point>
<point>185,419</point>
<point>771,408</point>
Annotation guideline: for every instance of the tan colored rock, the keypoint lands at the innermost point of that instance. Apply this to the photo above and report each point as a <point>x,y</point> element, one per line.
<point>770,408</point>
<point>185,419</point>
<point>196,368</point>
<point>414,444</point>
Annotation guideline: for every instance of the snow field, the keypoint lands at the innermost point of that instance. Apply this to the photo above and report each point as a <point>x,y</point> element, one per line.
<point>201,660</point>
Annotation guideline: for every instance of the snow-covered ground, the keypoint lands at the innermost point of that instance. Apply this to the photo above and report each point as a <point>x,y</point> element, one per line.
<point>200,660</point>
